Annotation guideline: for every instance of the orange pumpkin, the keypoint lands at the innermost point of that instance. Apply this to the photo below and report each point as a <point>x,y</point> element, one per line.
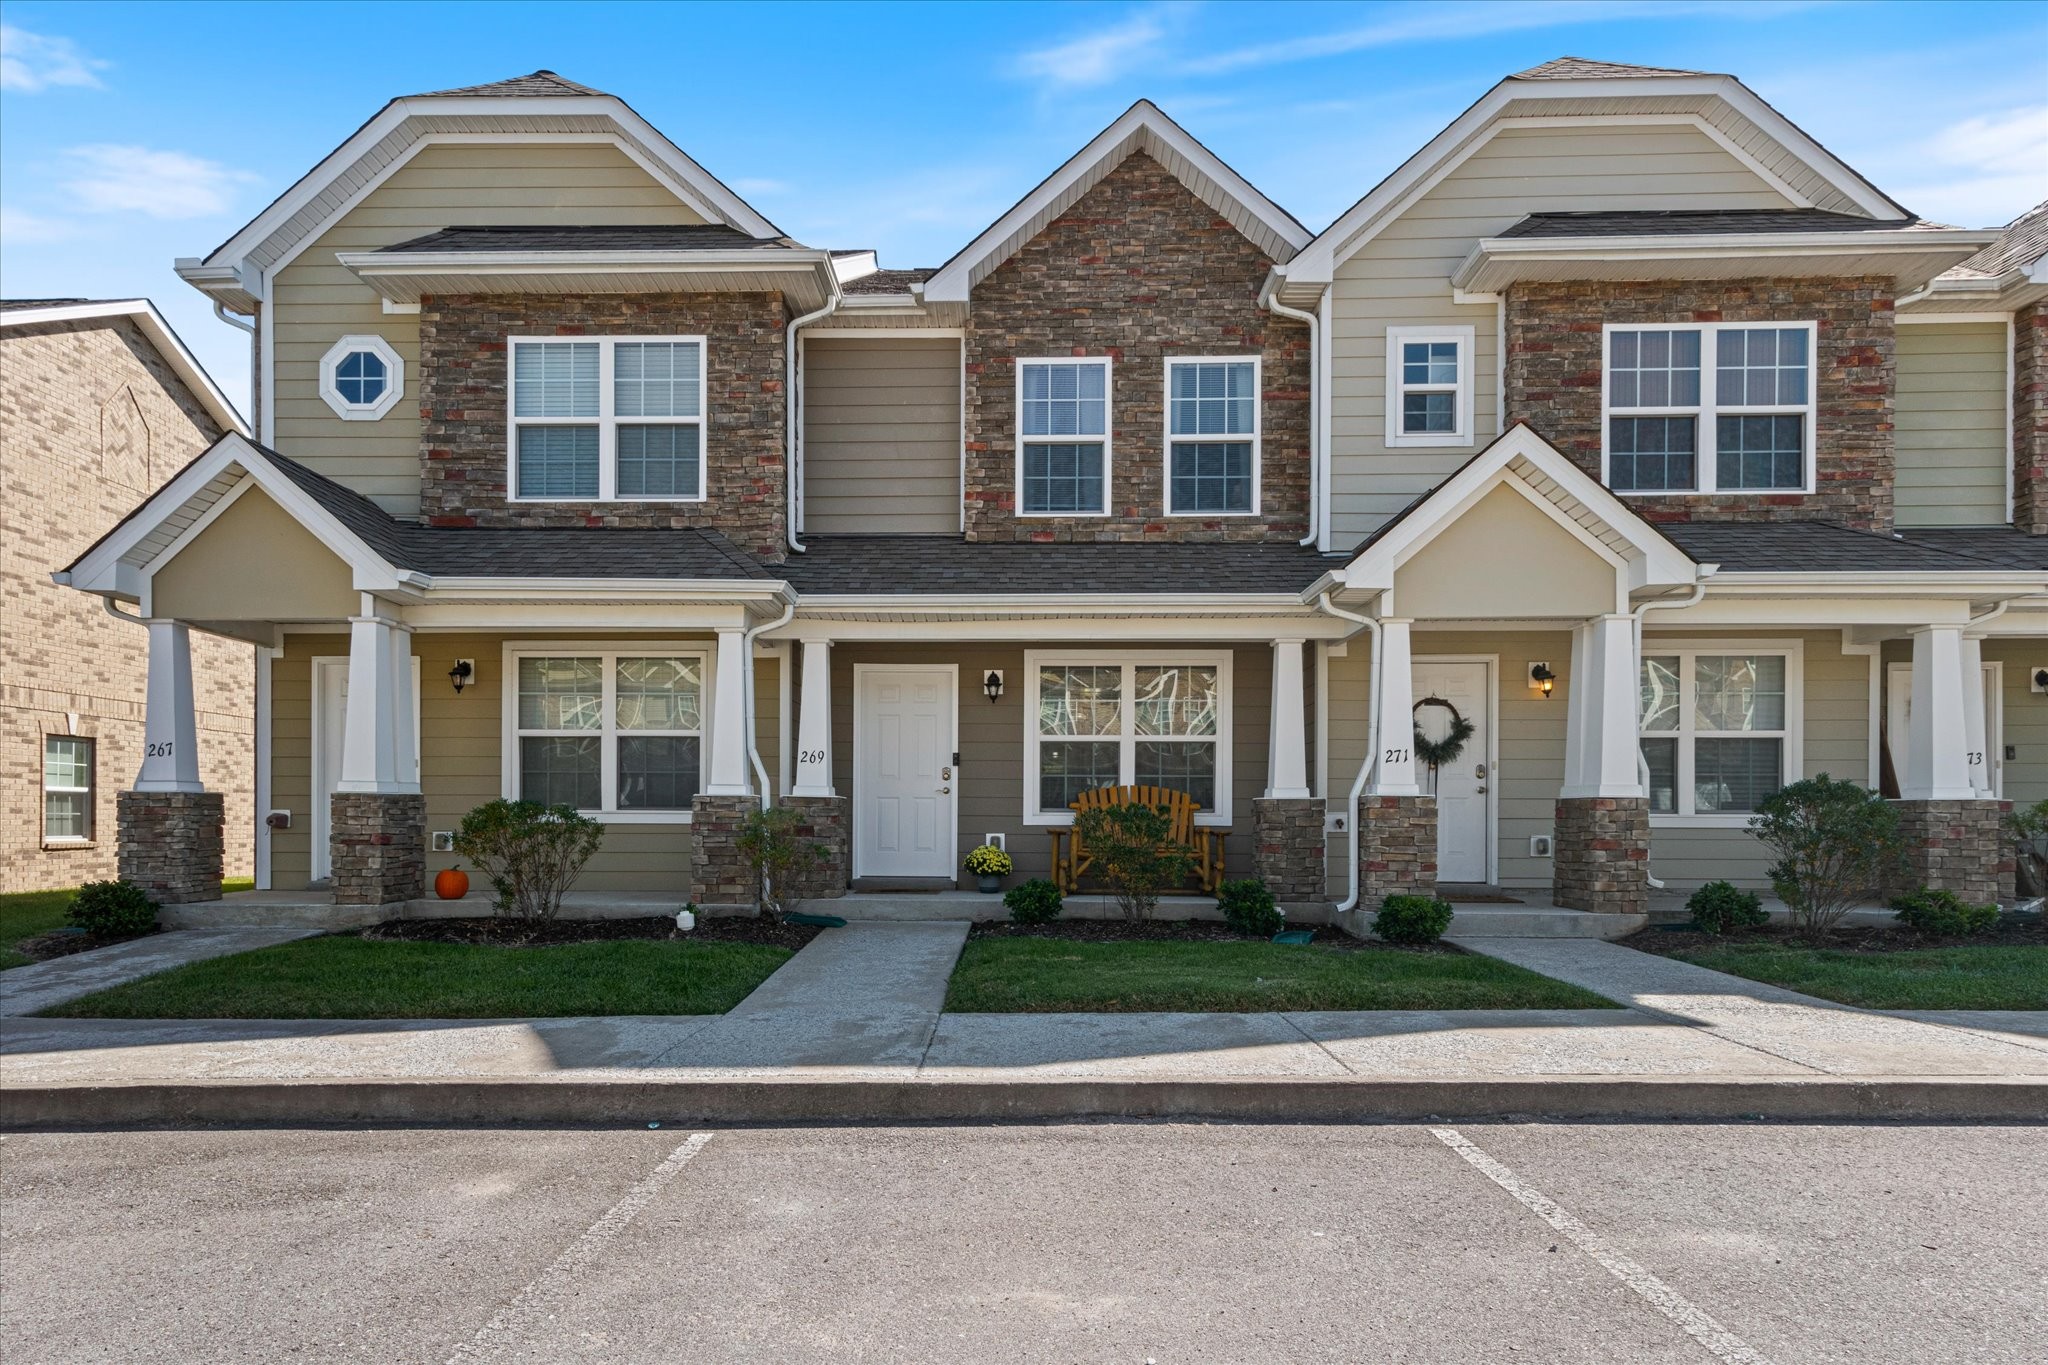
<point>451,883</point>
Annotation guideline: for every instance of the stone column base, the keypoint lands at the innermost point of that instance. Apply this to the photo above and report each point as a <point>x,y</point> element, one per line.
<point>1958,846</point>
<point>1396,848</point>
<point>1601,858</point>
<point>170,844</point>
<point>828,822</point>
<point>720,874</point>
<point>377,847</point>
<point>1287,847</point>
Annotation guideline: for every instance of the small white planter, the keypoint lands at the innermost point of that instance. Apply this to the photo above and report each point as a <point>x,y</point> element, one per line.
<point>686,920</point>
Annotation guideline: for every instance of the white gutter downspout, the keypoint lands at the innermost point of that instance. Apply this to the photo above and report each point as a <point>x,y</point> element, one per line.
<point>1372,742</point>
<point>747,691</point>
<point>1691,599</point>
<point>1316,442</point>
<point>792,459</point>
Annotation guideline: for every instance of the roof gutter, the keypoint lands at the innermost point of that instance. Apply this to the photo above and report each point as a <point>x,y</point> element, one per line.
<point>792,419</point>
<point>1318,398</point>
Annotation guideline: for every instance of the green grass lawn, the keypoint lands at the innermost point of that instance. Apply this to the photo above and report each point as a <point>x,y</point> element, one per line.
<point>345,977</point>
<point>24,914</point>
<point>1064,976</point>
<point>1991,977</point>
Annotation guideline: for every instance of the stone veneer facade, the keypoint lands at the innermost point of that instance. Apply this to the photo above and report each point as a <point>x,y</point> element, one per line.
<point>827,824</point>
<point>720,875</point>
<point>1601,860</point>
<point>1959,846</point>
<point>1396,848</point>
<point>1139,270</point>
<point>1287,838</point>
<point>377,847</point>
<point>1555,366</point>
<point>464,427</point>
<point>2030,419</point>
<point>171,844</point>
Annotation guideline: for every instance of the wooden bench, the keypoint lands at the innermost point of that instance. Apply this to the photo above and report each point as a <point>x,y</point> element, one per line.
<point>1071,857</point>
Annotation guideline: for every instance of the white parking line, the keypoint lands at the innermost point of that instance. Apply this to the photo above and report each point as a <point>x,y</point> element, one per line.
<point>1696,1321</point>
<point>534,1302</point>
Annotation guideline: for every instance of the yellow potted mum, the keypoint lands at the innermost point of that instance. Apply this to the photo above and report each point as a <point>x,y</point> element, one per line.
<point>989,865</point>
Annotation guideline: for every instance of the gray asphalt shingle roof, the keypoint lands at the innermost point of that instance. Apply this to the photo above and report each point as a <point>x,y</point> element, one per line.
<point>1821,547</point>
<point>1685,222</point>
<point>1586,69</point>
<point>2024,241</point>
<point>867,565</point>
<point>549,237</point>
<point>542,84</point>
<point>888,281</point>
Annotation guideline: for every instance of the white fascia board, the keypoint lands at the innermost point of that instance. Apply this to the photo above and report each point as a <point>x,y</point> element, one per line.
<point>706,591</point>
<point>953,280</point>
<point>854,265</point>
<point>161,335</point>
<point>1489,265</point>
<point>1965,583</point>
<point>1093,604</point>
<point>372,267</point>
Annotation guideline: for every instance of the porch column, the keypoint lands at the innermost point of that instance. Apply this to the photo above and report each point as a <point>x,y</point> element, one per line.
<point>1601,849</point>
<point>377,817</point>
<point>168,837</point>
<point>1394,774</point>
<point>1976,739</point>
<point>1947,820</point>
<point>1396,823</point>
<point>720,875</point>
<point>1287,822</point>
<point>1287,742</point>
<point>728,772</point>
<point>1937,741</point>
<point>814,723</point>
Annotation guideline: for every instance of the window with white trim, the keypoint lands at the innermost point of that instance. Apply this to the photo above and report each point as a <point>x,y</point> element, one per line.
<point>68,779</point>
<point>608,419</point>
<point>1429,386</point>
<point>616,732</point>
<point>1147,719</point>
<point>1719,727</point>
<point>1719,407</point>
<point>1063,437</point>
<point>1212,436</point>
<point>361,378</point>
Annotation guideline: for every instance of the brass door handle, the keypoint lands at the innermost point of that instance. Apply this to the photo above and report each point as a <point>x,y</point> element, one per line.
<point>945,791</point>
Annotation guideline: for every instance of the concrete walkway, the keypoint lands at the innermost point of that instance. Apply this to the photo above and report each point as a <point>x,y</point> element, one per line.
<point>42,985</point>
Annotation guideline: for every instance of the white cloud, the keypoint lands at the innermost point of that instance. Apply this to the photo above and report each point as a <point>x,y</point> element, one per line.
<point>1985,170</point>
<point>756,185</point>
<point>31,62</point>
<point>111,178</point>
<point>18,228</point>
<point>1095,58</point>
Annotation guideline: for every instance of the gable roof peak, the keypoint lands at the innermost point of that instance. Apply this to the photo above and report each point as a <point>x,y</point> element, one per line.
<point>542,83</point>
<point>1588,69</point>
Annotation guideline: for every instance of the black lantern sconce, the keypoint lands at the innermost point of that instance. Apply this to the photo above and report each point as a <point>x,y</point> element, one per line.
<point>1542,679</point>
<point>992,684</point>
<point>462,675</point>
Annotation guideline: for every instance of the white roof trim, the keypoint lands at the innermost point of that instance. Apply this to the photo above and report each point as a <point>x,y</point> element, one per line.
<point>1651,559</point>
<point>1494,262</point>
<point>1148,128</point>
<point>1317,262</point>
<point>166,341</point>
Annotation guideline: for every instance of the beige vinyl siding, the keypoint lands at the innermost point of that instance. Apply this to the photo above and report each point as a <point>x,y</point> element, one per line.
<point>881,435</point>
<point>317,302</point>
<point>1949,413</point>
<point>1402,277</point>
<point>2025,719</point>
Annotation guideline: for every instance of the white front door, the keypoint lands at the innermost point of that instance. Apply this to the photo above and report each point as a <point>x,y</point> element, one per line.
<point>330,719</point>
<point>1464,786</point>
<point>905,783</point>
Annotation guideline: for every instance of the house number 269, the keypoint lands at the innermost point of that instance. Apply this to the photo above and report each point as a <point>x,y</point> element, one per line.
<point>811,756</point>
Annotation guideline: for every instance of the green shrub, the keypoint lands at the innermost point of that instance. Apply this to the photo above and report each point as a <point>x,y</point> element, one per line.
<point>1412,919</point>
<point>1944,913</point>
<point>1037,901</point>
<point>1248,907</point>
<point>1724,908</point>
<point>775,845</point>
<point>1836,844</point>
<point>2026,830</point>
<point>112,910</point>
<point>1132,852</point>
<point>531,853</point>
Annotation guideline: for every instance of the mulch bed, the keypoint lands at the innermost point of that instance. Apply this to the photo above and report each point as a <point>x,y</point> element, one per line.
<point>516,933</point>
<point>61,943</point>
<point>1181,931</point>
<point>2011,931</point>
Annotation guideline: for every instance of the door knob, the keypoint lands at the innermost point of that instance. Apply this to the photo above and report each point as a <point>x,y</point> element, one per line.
<point>1479,771</point>
<point>945,791</point>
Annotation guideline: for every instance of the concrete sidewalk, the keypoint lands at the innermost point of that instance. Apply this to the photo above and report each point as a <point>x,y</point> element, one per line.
<point>44,985</point>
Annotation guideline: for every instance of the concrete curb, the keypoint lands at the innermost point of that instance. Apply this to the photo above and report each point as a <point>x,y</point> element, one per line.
<point>1359,1100</point>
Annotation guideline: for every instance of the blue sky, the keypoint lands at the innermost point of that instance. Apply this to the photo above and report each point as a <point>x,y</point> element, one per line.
<point>132,134</point>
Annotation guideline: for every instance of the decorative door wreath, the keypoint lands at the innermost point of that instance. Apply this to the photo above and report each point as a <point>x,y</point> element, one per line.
<point>1437,752</point>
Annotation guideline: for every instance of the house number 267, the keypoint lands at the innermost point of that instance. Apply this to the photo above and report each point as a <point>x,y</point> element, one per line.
<point>161,749</point>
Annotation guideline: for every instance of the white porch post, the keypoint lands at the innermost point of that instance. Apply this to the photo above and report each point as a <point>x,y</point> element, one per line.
<point>1394,775</point>
<point>376,742</point>
<point>1976,739</point>
<point>814,723</point>
<point>1937,757</point>
<point>170,725</point>
<point>728,775</point>
<point>1600,722</point>
<point>1287,740</point>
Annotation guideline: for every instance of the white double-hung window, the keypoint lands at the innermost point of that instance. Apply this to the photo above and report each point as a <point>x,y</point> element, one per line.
<point>1212,436</point>
<point>1063,437</point>
<point>1143,718</point>
<point>608,419</point>
<point>1429,386</point>
<point>1720,726</point>
<point>68,781</point>
<point>611,732</point>
<point>1719,407</point>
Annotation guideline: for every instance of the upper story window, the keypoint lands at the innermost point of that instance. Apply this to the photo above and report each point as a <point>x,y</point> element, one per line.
<point>608,419</point>
<point>1212,436</point>
<point>1063,437</point>
<point>1710,408</point>
<point>361,378</point>
<point>1429,386</point>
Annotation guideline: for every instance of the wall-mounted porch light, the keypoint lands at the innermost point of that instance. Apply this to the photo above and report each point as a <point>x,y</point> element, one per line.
<point>1542,679</point>
<point>992,684</point>
<point>463,674</point>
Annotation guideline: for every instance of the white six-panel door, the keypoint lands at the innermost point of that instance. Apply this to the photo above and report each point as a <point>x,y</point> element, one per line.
<point>1464,787</point>
<point>905,785</point>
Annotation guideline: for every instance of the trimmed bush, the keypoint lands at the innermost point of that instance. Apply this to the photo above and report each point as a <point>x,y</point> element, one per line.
<point>1037,901</point>
<point>1836,844</point>
<point>1412,919</point>
<point>774,844</point>
<point>1133,854</point>
<point>531,853</point>
<point>1248,907</point>
<point>1944,913</point>
<point>112,910</point>
<point>1724,908</point>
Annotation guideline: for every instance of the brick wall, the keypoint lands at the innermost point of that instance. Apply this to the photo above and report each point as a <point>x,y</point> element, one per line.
<point>464,436</point>
<point>1138,269</point>
<point>92,420</point>
<point>1601,861</point>
<point>2030,420</point>
<point>1555,365</point>
<point>1287,847</point>
<point>1959,846</point>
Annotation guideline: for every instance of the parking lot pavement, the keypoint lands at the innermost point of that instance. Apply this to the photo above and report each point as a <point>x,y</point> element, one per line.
<point>1116,1242</point>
